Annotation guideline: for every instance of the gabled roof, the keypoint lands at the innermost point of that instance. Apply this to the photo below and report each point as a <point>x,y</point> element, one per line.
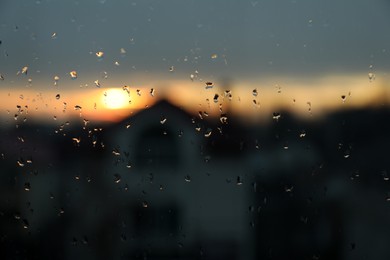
<point>161,113</point>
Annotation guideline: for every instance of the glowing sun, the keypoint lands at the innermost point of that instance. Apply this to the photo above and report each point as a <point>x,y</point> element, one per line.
<point>115,98</point>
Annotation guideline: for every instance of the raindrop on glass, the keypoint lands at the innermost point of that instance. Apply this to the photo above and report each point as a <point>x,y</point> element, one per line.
<point>56,79</point>
<point>228,94</point>
<point>24,70</point>
<point>239,180</point>
<point>99,54</point>
<point>209,85</point>
<point>254,92</point>
<point>276,116</point>
<point>73,74</point>
<point>208,133</point>
<point>25,223</point>
<point>117,178</point>
<point>97,83</point>
<point>216,96</point>
<point>371,76</point>
<point>223,118</point>
<point>27,186</point>
<point>116,152</point>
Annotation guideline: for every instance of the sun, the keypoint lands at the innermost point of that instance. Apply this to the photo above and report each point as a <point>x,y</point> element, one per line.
<point>115,98</point>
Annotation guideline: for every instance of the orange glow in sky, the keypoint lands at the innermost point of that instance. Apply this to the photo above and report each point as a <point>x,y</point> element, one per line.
<point>252,100</point>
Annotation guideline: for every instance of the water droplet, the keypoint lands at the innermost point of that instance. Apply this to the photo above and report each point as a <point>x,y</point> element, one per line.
<point>17,216</point>
<point>27,186</point>
<point>99,54</point>
<point>288,188</point>
<point>200,115</point>
<point>371,76</point>
<point>104,74</point>
<point>25,223</point>
<point>76,140</point>
<point>208,133</point>
<point>24,70</point>
<point>257,145</point>
<point>343,98</point>
<point>239,180</point>
<point>77,107</point>
<point>171,69</point>
<point>216,96</point>
<point>20,162</point>
<point>144,204</point>
<point>116,152</point>
<point>117,63</point>
<point>138,92</point>
<point>228,94</point>
<point>117,178</point>
<point>254,92</point>
<point>223,118</point>
<point>123,51</point>
<point>1,77</point>
<point>209,85</point>
<point>54,35</point>
<point>85,240</point>
<point>163,120</point>
<point>152,92</point>
<point>73,74</point>
<point>58,96</point>
<point>187,178</point>
<point>56,79</point>
<point>276,116</point>
<point>97,83</point>
<point>302,134</point>
<point>214,56</point>
<point>385,175</point>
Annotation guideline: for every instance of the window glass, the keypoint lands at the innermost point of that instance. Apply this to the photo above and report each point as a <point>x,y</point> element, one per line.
<point>224,129</point>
